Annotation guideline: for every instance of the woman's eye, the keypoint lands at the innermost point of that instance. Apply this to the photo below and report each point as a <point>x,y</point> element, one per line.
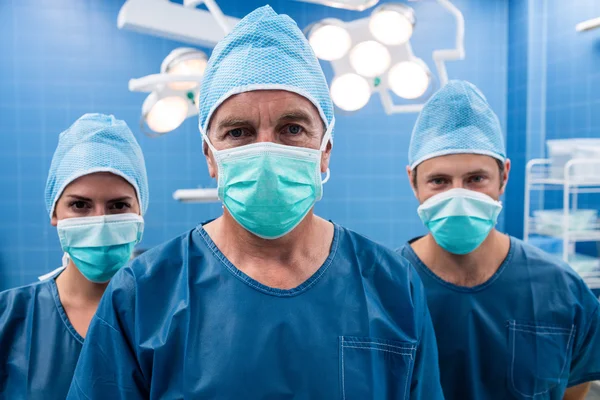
<point>79,205</point>
<point>121,206</point>
<point>294,129</point>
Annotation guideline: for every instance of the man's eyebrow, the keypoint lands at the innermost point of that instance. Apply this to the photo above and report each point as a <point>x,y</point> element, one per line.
<point>479,171</point>
<point>230,122</point>
<point>299,116</point>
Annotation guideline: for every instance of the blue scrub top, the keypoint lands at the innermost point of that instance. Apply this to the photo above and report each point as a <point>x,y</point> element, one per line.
<point>183,322</point>
<point>39,347</point>
<point>529,332</point>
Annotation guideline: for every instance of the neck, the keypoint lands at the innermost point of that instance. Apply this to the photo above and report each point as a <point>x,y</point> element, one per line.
<point>72,285</point>
<point>283,263</point>
<point>467,270</point>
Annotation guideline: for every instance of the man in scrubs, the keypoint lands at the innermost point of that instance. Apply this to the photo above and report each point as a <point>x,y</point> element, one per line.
<point>268,301</point>
<point>511,321</point>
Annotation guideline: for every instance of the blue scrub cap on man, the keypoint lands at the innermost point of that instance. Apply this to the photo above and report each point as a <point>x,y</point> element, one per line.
<point>264,51</point>
<point>456,120</point>
<point>96,143</point>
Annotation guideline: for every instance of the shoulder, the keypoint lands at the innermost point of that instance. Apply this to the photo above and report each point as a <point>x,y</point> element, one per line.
<point>389,271</point>
<point>159,261</point>
<point>367,251</point>
<point>547,269</point>
<point>535,260</point>
<point>18,303</point>
<point>156,273</point>
<point>21,296</point>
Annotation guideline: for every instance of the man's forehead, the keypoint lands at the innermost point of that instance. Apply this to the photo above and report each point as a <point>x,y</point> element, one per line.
<point>458,163</point>
<point>279,102</point>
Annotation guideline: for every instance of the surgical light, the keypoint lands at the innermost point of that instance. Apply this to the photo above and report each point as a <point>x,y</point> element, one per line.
<point>185,62</point>
<point>329,41</point>
<point>374,55</point>
<point>370,58</point>
<point>350,92</point>
<point>408,79</point>
<point>392,24</point>
<point>166,114</point>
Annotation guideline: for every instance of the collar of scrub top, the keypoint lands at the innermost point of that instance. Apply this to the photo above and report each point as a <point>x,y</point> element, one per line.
<point>52,274</point>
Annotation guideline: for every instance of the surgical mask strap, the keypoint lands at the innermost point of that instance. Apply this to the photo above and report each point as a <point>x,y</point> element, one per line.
<point>327,176</point>
<point>327,136</point>
<point>326,139</point>
<point>65,260</point>
<point>207,140</point>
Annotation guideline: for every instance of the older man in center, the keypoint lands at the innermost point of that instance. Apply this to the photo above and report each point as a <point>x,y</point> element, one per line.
<point>268,301</point>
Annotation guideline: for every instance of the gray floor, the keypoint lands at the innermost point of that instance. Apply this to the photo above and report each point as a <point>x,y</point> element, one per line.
<point>594,393</point>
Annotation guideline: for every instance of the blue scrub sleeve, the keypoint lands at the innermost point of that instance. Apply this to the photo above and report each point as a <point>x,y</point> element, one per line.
<point>585,364</point>
<point>425,383</point>
<point>107,367</point>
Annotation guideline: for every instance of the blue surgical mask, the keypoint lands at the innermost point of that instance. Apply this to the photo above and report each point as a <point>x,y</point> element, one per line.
<point>460,220</point>
<point>99,246</point>
<point>269,188</point>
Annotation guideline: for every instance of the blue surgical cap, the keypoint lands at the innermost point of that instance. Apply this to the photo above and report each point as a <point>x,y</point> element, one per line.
<point>456,120</point>
<point>96,143</point>
<point>264,51</point>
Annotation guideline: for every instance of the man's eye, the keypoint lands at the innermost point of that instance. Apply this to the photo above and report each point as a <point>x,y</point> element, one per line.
<point>236,133</point>
<point>294,129</point>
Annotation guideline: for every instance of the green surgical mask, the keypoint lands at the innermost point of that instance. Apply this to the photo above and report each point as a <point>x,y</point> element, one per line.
<point>460,220</point>
<point>269,188</point>
<point>99,246</point>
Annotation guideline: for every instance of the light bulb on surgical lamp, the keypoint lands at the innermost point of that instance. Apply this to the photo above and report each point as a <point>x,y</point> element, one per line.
<point>409,79</point>
<point>184,61</point>
<point>329,40</point>
<point>350,92</point>
<point>370,58</point>
<point>392,24</point>
<point>166,114</point>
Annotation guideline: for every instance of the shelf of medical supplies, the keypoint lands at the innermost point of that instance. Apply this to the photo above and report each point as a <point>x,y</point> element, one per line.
<point>574,177</point>
<point>540,179</point>
<point>572,236</point>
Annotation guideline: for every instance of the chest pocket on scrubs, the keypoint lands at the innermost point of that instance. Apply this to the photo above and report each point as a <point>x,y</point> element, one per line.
<point>375,368</point>
<point>540,359</point>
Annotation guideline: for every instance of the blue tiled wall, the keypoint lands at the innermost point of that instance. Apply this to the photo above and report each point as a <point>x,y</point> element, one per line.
<point>516,130</point>
<point>573,87</point>
<point>63,58</point>
<point>553,91</point>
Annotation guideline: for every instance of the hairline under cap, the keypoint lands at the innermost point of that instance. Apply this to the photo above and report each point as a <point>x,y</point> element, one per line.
<point>261,87</point>
<point>113,171</point>
<point>448,152</point>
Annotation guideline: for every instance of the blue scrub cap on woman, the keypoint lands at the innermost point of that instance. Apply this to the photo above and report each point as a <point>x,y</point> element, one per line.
<point>264,51</point>
<point>96,143</point>
<point>456,120</point>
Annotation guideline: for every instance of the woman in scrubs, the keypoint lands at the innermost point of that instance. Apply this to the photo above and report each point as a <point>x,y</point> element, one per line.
<point>96,194</point>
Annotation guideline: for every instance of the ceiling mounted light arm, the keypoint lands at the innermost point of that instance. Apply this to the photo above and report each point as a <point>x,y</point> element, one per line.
<point>354,5</point>
<point>391,108</point>
<point>201,195</point>
<point>214,9</point>
<point>149,82</point>
<point>441,56</point>
<point>218,14</point>
<point>588,25</point>
<point>170,20</point>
